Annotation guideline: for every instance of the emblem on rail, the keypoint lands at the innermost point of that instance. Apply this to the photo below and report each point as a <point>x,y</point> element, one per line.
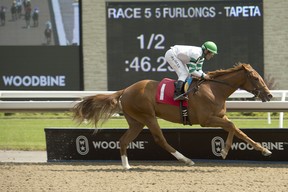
<point>217,143</point>
<point>82,145</point>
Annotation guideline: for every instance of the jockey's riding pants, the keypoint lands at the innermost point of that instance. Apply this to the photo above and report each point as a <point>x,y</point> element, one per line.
<point>179,67</point>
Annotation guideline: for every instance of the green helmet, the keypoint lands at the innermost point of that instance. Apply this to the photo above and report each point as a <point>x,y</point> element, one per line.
<point>210,46</point>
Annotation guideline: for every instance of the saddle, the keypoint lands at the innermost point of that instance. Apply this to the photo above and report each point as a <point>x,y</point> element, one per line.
<point>165,93</point>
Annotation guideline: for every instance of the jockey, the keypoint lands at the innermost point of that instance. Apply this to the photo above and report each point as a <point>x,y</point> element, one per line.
<point>48,25</point>
<point>188,60</point>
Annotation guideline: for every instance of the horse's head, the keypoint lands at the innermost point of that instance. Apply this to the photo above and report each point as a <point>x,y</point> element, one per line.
<point>255,84</point>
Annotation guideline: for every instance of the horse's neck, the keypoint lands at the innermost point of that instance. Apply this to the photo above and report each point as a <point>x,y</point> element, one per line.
<point>234,80</point>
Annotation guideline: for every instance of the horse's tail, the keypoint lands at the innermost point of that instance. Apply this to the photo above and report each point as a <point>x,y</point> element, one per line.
<point>97,108</point>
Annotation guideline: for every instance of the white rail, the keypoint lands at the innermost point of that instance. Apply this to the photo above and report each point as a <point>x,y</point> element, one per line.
<point>61,101</point>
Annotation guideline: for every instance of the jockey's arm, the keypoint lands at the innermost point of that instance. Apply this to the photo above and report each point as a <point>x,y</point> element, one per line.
<point>192,68</point>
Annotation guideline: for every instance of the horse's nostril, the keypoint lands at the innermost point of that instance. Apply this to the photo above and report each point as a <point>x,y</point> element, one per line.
<point>270,96</point>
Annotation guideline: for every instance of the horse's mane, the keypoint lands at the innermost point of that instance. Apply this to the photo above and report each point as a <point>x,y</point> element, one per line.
<point>237,67</point>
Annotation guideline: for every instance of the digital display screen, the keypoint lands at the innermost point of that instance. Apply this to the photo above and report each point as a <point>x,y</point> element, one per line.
<point>139,34</point>
<point>40,45</point>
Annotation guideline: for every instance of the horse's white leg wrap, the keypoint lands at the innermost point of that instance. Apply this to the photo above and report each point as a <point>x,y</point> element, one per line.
<point>182,158</point>
<point>125,163</point>
<point>178,155</point>
<point>266,152</point>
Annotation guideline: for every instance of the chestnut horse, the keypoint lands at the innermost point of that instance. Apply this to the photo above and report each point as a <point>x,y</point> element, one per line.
<point>206,106</point>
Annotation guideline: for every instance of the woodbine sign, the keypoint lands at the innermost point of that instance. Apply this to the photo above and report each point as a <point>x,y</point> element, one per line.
<point>84,144</point>
<point>27,81</point>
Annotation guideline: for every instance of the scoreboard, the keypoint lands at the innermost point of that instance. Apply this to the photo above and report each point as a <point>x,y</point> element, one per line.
<point>139,34</point>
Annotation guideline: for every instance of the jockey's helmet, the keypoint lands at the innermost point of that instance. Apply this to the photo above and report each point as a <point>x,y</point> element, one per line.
<point>210,46</point>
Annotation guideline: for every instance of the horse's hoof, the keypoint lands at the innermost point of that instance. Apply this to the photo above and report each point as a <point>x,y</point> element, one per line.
<point>266,152</point>
<point>224,153</point>
<point>126,168</point>
<point>187,161</point>
<point>190,163</point>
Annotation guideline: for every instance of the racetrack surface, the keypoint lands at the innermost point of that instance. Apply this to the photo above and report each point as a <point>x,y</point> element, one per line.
<point>16,33</point>
<point>23,156</point>
<point>145,176</point>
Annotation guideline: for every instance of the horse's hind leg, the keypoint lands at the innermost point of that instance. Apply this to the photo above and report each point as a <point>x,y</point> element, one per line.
<point>135,128</point>
<point>159,138</point>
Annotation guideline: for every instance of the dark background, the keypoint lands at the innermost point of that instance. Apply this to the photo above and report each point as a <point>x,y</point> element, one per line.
<point>239,39</point>
<point>24,51</point>
<point>42,61</point>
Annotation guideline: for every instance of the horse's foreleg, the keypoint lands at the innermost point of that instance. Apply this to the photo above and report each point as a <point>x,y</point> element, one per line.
<point>256,146</point>
<point>229,126</point>
<point>229,139</point>
<point>241,135</point>
<point>228,144</point>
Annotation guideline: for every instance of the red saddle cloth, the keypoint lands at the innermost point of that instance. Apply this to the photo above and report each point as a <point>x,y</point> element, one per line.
<point>165,93</point>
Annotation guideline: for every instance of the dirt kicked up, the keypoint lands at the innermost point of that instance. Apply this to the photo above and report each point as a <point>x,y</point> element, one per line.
<point>145,176</point>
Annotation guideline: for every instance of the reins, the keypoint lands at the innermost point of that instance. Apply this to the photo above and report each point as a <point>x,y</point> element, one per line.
<point>256,91</point>
<point>195,87</point>
<point>221,82</point>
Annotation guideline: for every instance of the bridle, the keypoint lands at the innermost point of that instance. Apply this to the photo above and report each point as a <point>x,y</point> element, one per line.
<point>257,89</point>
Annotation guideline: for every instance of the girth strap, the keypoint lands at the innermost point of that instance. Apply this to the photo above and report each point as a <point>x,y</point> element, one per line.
<point>184,114</point>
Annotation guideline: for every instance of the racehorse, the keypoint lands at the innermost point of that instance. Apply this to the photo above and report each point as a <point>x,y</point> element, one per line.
<point>13,10</point>
<point>35,17</point>
<point>48,35</point>
<point>206,106</point>
<point>48,32</point>
<point>28,11</point>
<point>19,9</point>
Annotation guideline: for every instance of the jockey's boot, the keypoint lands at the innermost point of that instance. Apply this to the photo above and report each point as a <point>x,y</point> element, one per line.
<point>179,90</point>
